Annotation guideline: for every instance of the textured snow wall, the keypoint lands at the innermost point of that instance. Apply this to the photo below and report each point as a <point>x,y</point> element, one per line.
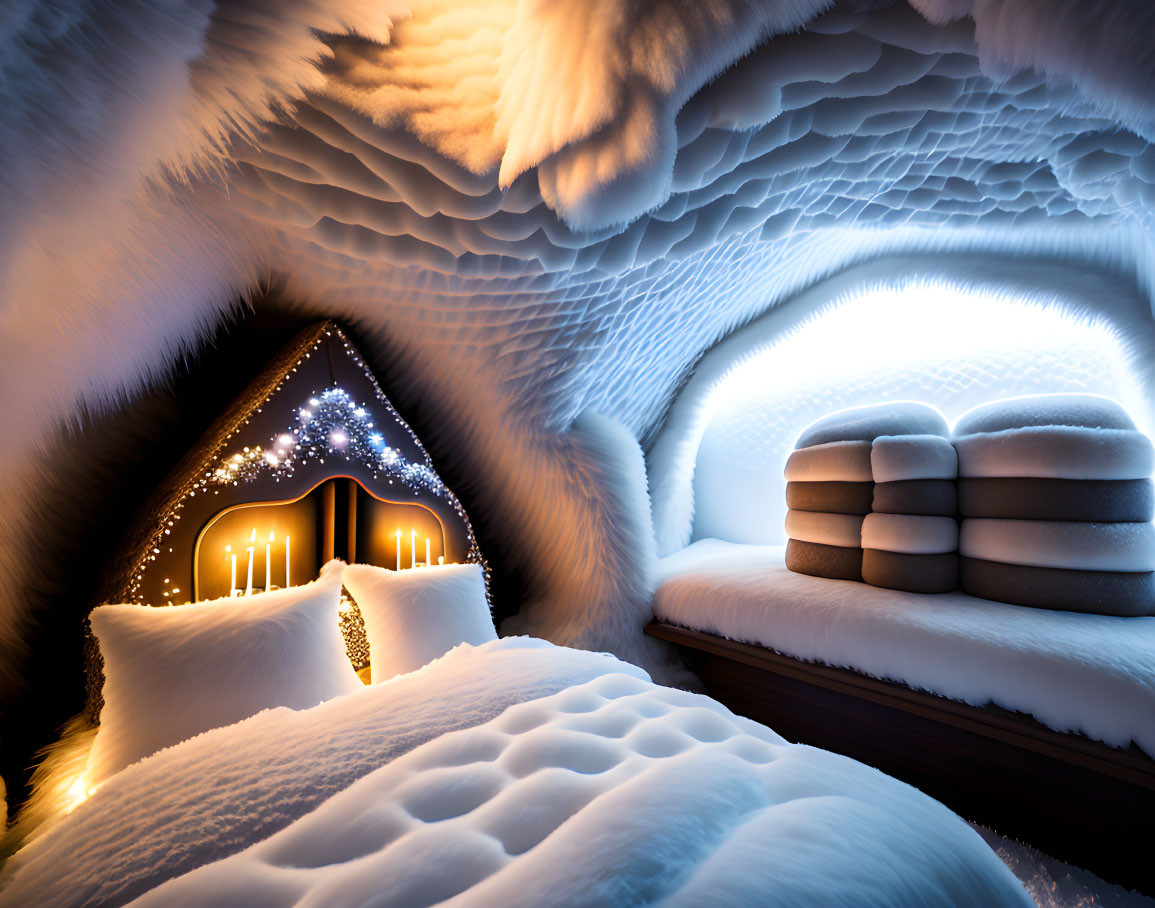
<point>521,237</point>
<point>981,329</point>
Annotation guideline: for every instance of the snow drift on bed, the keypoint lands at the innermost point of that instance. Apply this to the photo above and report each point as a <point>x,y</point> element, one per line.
<point>594,787</point>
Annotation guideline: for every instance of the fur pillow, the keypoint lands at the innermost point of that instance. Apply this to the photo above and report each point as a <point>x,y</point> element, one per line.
<point>414,616</point>
<point>173,672</point>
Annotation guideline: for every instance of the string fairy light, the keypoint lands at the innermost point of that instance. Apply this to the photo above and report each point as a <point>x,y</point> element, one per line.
<point>329,424</point>
<point>364,443</point>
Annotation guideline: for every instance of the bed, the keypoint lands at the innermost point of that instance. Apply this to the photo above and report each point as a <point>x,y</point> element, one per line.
<point>239,758</point>
<point>513,773</point>
<point>1039,723</point>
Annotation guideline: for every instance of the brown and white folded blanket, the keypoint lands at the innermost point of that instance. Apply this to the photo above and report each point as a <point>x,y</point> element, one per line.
<point>1057,501</point>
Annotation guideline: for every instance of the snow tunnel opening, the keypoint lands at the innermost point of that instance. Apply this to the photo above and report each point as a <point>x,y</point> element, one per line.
<point>938,339</point>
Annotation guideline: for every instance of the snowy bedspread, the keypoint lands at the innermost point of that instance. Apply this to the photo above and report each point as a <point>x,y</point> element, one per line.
<point>1093,674</point>
<point>610,791</point>
<point>213,795</point>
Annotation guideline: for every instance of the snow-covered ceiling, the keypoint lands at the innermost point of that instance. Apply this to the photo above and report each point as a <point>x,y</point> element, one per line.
<point>817,150</point>
<point>537,208</point>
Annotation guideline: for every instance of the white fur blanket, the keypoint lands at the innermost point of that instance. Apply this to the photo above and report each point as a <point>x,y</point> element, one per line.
<point>610,790</point>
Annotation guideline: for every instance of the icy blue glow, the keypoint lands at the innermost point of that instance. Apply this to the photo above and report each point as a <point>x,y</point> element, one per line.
<point>949,347</point>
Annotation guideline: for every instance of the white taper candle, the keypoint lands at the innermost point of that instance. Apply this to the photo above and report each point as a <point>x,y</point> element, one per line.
<point>251,549</point>
<point>269,563</point>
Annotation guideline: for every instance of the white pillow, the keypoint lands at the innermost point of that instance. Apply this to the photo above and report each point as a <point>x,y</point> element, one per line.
<point>415,615</point>
<point>172,672</point>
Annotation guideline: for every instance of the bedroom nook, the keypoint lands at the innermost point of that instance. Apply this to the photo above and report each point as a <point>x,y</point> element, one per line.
<point>564,453</point>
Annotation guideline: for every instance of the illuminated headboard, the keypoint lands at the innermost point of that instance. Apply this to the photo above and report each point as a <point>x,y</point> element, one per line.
<point>312,462</point>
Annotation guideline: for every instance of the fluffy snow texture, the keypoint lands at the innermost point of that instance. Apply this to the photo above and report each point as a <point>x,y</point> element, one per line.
<point>610,792</point>
<point>415,616</point>
<point>608,545</point>
<point>53,784</point>
<point>1093,674</point>
<point>271,770</point>
<point>894,458</point>
<point>171,673</point>
<point>876,332</point>
<point>910,534</point>
<point>1061,544</point>
<point>161,160</point>
<point>1056,452</point>
<point>1087,411</point>
<point>868,423</point>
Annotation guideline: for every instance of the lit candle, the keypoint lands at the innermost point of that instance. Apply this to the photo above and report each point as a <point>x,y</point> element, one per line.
<point>233,581</point>
<point>269,563</point>
<point>412,548</point>
<point>398,550</point>
<point>287,583</point>
<point>427,561</point>
<point>251,549</point>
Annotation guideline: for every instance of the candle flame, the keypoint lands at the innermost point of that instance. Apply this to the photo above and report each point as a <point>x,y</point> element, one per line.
<point>270,535</point>
<point>253,535</point>
<point>228,548</point>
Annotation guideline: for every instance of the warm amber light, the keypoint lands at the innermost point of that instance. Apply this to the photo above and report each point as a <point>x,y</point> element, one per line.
<point>77,793</point>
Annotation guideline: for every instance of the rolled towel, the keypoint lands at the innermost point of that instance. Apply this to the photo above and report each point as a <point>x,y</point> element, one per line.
<point>842,530</point>
<point>832,562</point>
<point>1126,594</point>
<point>913,573</point>
<point>1082,500</point>
<point>868,423</point>
<point>910,535</point>
<point>898,457</point>
<point>1124,547</point>
<point>831,497</point>
<point>836,461</point>
<point>1088,411</point>
<point>931,497</point>
<point>1056,452</point>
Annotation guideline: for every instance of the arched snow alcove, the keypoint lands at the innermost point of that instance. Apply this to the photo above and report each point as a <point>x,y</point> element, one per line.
<point>950,334</point>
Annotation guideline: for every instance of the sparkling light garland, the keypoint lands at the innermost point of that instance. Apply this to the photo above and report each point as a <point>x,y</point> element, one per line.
<point>328,425</point>
<point>417,476</point>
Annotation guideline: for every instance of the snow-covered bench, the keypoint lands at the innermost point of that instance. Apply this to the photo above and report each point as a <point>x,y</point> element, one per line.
<point>997,709</point>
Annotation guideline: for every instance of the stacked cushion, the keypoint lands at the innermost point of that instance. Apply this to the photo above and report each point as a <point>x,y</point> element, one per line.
<point>910,540</point>
<point>830,485</point>
<point>1057,501</point>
